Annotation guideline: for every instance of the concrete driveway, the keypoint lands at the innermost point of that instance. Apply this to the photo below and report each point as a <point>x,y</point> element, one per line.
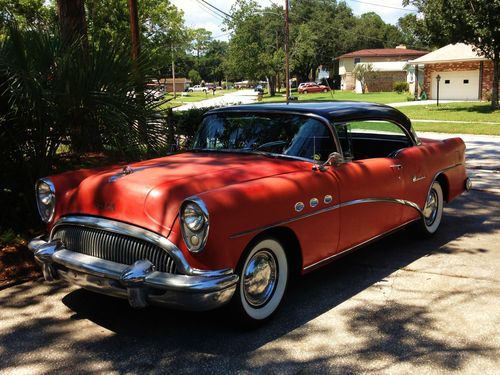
<point>399,306</point>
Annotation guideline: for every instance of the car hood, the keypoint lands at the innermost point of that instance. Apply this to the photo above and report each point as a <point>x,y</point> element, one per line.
<point>149,193</point>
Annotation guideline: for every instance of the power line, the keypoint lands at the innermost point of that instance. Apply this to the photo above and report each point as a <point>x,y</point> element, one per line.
<point>385,6</point>
<point>217,9</point>
<point>209,10</point>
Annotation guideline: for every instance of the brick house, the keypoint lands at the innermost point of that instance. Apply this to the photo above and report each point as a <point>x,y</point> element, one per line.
<point>464,74</point>
<point>348,61</point>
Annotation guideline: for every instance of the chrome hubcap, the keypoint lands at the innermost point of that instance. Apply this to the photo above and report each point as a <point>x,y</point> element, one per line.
<point>431,208</point>
<point>259,278</point>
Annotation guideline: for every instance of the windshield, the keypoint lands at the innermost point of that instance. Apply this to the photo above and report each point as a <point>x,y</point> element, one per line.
<point>281,134</point>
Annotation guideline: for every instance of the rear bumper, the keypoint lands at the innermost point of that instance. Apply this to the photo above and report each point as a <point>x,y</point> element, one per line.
<point>139,283</point>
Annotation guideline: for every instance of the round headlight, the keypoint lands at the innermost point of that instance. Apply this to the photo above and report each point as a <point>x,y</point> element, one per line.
<point>193,217</point>
<point>195,224</point>
<point>45,199</point>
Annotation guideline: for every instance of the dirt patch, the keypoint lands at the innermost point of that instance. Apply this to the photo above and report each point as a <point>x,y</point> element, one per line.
<point>17,264</point>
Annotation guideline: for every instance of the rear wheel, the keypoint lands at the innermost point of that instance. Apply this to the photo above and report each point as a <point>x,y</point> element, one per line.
<point>325,90</point>
<point>263,279</point>
<point>433,210</point>
<point>305,91</point>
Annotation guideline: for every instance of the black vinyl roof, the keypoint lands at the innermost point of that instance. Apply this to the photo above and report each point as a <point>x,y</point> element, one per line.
<point>335,111</point>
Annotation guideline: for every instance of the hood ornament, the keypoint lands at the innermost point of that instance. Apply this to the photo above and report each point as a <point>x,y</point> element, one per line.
<point>126,170</point>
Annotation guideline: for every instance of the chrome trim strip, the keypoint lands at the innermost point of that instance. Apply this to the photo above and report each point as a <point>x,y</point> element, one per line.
<point>331,208</point>
<point>353,248</point>
<point>417,178</point>
<point>132,231</point>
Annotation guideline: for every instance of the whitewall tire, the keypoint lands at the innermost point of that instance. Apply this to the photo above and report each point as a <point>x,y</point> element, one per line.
<point>433,209</point>
<point>263,280</point>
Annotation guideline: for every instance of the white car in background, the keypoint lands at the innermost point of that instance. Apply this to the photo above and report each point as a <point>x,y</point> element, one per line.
<point>197,88</point>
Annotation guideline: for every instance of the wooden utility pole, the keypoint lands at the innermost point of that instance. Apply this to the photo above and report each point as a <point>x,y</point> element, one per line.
<point>72,23</point>
<point>134,29</point>
<point>287,52</point>
<point>173,73</point>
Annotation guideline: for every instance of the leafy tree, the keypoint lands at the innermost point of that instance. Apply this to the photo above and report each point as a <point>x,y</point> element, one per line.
<point>363,72</point>
<point>413,32</point>
<point>475,22</point>
<point>194,77</point>
<point>210,65</point>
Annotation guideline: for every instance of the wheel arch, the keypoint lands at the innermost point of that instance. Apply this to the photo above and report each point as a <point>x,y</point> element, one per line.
<point>445,185</point>
<point>290,242</point>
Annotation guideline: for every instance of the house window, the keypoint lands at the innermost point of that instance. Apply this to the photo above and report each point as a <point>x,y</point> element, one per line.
<point>357,60</point>
<point>446,81</point>
<point>466,81</point>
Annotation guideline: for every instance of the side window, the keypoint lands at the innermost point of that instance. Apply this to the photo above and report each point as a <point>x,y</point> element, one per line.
<point>370,139</point>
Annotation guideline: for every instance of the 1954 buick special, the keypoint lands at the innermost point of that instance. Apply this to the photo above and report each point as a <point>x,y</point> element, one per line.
<point>266,191</point>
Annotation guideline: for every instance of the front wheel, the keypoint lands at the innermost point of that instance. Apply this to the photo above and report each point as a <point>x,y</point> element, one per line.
<point>263,280</point>
<point>433,210</point>
<point>304,92</point>
<point>325,90</point>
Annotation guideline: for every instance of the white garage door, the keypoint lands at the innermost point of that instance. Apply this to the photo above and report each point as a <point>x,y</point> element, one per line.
<point>457,85</point>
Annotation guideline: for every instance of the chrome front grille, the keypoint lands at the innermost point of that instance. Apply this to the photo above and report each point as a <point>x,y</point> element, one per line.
<point>113,246</point>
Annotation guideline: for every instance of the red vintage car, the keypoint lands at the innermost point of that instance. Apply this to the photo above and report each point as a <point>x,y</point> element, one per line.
<point>267,191</point>
<point>305,88</point>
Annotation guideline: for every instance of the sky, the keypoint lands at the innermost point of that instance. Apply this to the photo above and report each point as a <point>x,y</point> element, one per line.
<point>196,15</point>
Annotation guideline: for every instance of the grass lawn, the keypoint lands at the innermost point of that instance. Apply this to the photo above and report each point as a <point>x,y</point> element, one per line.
<point>191,97</point>
<point>473,111</point>
<point>376,97</point>
<point>478,114</point>
<point>447,127</point>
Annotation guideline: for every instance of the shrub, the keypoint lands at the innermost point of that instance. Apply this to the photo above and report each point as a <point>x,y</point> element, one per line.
<point>400,87</point>
<point>80,96</point>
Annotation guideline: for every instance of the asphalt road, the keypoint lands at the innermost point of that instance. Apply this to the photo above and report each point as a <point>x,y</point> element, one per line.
<point>401,306</point>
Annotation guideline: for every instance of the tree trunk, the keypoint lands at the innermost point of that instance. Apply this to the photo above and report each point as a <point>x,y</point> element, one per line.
<point>72,23</point>
<point>272,86</point>
<point>494,89</point>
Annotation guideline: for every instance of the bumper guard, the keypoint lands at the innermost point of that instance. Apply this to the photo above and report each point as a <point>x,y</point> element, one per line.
<point>139,283</point>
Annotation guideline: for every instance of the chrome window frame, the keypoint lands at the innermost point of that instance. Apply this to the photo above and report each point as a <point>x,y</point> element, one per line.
<point>412,137</point>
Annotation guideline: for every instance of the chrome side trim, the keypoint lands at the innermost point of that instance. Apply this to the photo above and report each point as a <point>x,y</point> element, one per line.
<point>417,178</point>
<point>132,231</point>
<point>331,208</point>
<point>353,248</point>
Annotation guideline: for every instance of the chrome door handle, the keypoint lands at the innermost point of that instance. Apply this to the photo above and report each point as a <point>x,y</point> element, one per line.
<point>396,166</point>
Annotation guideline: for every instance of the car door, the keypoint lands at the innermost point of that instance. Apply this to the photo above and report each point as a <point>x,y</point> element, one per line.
<point>370,184</point>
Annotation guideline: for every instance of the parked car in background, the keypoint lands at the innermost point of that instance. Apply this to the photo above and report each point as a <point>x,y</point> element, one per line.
<point>305,88</point>
<point>197,88</point>
<point>267,191</point>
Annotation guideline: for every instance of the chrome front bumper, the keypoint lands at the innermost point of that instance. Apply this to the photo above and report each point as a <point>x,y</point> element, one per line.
<point>139,283</point>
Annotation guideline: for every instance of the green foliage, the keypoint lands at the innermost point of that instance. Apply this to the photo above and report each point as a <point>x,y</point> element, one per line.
<point>78,96</point>
<point>194,77</point>
<point>363,72</point>
<point>400,86</point>
<point>187,123</point>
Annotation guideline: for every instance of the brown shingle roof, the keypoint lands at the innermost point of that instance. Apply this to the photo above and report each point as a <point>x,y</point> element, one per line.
<point>384,52</point>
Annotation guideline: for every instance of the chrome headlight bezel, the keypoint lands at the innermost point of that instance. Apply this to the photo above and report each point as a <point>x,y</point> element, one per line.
<point>194,230</point>
<point>46,199</point>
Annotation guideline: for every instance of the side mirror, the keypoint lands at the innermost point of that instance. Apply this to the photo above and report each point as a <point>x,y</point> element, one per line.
<point>334,159</point>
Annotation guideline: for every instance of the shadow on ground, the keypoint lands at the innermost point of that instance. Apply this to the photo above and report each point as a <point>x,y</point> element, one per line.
<point>158,340</point>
